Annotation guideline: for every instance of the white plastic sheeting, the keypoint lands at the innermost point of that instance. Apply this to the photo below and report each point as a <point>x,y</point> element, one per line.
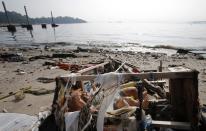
<point>18,122</point>
<point>110,82</point>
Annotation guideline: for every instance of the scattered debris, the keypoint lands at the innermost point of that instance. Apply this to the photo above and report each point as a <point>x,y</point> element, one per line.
<point>12,57</point>
<point>67,66</point>
<point>20,72</point>
<point>4,110</point>
<point>39,91</point>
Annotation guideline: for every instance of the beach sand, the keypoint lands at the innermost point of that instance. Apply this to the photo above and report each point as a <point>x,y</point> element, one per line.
<point>17,75</point>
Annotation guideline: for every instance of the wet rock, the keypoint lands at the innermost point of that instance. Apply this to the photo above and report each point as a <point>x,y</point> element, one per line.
<point>12,57</point>
<point>182,51</point>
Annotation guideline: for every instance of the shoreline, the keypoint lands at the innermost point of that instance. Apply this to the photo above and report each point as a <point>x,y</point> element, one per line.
<point>124,47</point>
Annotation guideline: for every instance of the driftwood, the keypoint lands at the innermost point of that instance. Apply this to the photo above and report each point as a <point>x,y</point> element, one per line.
<point>13,93</point>
<point>63,55</point>
<point>39,91</point>
<point>157,89</point>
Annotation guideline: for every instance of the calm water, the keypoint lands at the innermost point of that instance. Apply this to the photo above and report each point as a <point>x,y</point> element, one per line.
<point>115,34</point>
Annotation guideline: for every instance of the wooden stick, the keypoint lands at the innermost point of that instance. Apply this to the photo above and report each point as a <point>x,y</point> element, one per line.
<point>154,88</point>
<point>86,70</point>
<point>120,66</point>
<point>168,75</point>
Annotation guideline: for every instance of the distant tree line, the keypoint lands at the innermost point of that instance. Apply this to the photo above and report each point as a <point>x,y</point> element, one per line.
<point>17,18</point>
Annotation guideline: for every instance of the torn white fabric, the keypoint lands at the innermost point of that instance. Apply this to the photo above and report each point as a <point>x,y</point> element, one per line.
<point>110,82</point>
<point>71,121</point>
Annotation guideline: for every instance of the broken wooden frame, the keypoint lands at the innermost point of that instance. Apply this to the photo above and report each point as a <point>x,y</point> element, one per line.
<point>183,87</point>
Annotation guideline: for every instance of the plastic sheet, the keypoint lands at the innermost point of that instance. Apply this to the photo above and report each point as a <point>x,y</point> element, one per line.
<point>18,122</point>
<point>71,121</point>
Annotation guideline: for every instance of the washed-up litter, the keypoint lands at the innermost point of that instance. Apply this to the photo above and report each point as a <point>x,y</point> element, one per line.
<point>45,80</point>
<point>53,67</point>
<point>64,66</point>
<point>67,66</point>
<point>20,72</point>
<point>89,100</point>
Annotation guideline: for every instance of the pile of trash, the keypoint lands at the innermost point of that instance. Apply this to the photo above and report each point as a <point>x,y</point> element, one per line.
<point>122,98</point>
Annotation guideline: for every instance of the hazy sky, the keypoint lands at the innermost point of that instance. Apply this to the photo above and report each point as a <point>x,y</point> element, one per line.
<point>114,10</point>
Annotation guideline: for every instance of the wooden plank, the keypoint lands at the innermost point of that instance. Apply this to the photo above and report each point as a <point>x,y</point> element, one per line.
<point>168,75</point>
<point>172,124</point>
<point>177,99</point>
<point>92,68</point>
<point>184,99</point>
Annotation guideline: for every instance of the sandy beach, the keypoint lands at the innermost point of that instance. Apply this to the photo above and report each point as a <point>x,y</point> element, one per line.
<point>25,74</point>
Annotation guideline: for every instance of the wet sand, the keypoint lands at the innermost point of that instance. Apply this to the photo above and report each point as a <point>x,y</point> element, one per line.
<point>11,80</point>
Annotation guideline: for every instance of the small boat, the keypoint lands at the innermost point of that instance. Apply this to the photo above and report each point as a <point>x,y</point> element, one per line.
<point>54,25</point>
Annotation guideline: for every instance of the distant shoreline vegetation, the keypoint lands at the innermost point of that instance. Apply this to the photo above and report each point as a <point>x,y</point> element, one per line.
<point>17,18</point>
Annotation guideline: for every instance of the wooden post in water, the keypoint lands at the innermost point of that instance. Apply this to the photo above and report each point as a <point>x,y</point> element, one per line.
<point>29,26</point>
<point>52,18</point>
<point>11,28</point>
<point>53,23</point>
